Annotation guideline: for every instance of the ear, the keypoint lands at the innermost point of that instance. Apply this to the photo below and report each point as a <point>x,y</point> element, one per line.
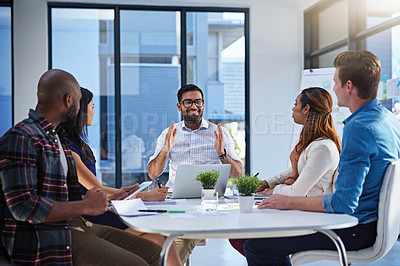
<point>349,86</point>
<point>179,107</point>
<point>68,100</point>
<point>306,109</point>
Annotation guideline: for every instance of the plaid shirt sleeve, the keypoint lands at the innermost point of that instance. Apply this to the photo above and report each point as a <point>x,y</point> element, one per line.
<point>31,178</point>
<point>18,175</point>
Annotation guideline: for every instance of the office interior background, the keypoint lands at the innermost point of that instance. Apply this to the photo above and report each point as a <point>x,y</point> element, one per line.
<point>247,56</point>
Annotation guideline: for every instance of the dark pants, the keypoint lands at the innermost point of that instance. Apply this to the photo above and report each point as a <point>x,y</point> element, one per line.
<point>94,244</point>
<point>276,251</point>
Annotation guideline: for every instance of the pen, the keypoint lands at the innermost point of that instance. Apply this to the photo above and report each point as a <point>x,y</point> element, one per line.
<point>158,182</point>
<point>153,210</point>
<point>256,174</point>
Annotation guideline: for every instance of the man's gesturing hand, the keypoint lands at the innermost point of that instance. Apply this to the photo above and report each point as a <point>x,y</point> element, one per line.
<point>219,141</point>
<point>170,137</point>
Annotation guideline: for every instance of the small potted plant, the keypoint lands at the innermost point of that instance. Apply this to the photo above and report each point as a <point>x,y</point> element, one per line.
<point>246,185</point>
<point>209,197</point>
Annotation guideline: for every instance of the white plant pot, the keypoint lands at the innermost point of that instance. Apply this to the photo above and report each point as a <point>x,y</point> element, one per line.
<point>209,199</point>
<point>246,203</point>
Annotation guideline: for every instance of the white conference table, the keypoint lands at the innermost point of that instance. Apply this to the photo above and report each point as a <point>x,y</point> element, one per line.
<point>228,222</point>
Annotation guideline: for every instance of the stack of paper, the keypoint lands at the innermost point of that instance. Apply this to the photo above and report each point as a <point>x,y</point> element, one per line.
<point>129,207</point>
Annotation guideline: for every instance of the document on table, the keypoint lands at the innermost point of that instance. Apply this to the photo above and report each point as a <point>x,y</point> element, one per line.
<point>165,202</point>
<point>129,208</point>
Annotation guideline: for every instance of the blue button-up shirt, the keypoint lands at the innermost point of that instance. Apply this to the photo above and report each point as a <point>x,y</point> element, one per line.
<point>371,140</point>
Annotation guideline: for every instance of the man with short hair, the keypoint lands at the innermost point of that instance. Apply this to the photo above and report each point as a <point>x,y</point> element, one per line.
<point>40,196</point>
<point>371,140</point>
<point>192,141</point>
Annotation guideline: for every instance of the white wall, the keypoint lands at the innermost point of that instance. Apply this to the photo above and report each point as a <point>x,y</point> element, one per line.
<point>276,47</point>
<point>276,60</point>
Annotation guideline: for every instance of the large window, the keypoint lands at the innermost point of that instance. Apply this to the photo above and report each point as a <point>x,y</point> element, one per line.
<point>135,70</point>
<point>150,76</point>
<point>82,42</point>
<point>216,54</point>
<point>6,119</point>
<point>358,24</point>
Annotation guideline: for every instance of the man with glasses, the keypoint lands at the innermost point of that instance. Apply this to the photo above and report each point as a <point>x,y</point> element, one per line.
<point>192,141</point>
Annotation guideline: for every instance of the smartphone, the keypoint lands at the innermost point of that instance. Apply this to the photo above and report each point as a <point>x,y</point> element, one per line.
<point>142,186</point>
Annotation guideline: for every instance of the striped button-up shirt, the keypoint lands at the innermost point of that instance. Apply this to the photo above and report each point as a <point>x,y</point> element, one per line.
<point>194,147</point>
<point>31,178</point>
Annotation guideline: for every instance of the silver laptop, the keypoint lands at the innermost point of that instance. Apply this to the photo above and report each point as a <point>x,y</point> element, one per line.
<point>187,187</point>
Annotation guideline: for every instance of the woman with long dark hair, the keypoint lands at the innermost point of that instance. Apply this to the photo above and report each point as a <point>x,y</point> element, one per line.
<point>314,159</point>
<point>86,169</point>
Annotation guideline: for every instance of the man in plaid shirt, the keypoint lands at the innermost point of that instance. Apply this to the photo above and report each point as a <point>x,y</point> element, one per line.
<point>40,200</point>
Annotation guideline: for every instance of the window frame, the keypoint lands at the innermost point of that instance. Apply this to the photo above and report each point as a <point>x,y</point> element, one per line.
<point>357,33</point>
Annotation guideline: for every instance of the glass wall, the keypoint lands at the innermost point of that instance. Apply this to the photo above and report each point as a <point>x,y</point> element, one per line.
<point>216,54</point>
<point>326,60</point>
<point>6,68</point>
<point>373,25</point>
<point>332,26</point>
<point>82,42</point>
<point>381,11</point>
<point>135,82</point>
<point>150,77</point>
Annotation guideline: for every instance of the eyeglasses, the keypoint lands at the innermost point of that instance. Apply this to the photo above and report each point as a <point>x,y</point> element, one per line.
<point>188,103</point>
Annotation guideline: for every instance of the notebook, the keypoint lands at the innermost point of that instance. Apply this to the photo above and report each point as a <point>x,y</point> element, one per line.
<point>187,187</point>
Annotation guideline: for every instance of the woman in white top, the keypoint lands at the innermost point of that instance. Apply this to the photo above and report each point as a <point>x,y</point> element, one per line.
<point>315,158</point>
<point>316,168</point>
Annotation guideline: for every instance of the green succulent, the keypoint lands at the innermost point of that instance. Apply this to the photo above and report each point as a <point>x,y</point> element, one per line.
<point>247,185</point>
<point>208,179</point>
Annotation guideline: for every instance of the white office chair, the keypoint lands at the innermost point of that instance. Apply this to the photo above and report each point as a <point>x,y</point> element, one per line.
<point>387,227</point>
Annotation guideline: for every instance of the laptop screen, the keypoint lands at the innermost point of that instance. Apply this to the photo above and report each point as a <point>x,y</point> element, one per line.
<point>187,187</point>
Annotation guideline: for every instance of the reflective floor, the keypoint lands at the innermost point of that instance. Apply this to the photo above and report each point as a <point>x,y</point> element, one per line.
<point>218,252</point>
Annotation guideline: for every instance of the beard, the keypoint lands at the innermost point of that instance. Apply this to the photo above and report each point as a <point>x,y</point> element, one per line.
<point>71,117</point>
<point>192,119</point>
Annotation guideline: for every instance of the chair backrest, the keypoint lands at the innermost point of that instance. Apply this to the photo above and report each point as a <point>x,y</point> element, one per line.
<point>388,210</point>
<point>335,176</point>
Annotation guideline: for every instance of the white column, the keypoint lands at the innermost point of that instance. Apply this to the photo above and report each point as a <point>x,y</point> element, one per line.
<point>30,52</point>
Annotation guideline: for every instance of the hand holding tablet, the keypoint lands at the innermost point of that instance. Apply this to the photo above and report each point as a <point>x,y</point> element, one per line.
<point>142,186</point>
